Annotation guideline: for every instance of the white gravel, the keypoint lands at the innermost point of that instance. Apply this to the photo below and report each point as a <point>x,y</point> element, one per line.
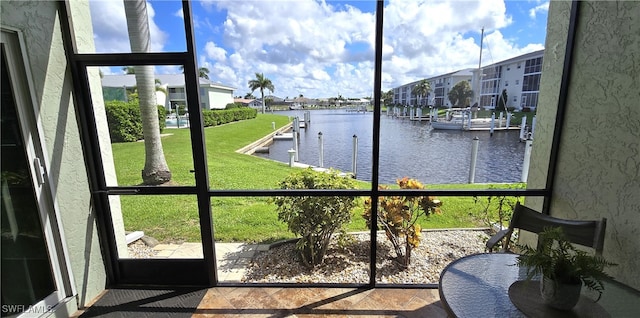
<point>350,263</point>
<point>139,249</point>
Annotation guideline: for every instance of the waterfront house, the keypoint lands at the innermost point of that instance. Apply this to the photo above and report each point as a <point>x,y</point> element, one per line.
<point>212,95</point>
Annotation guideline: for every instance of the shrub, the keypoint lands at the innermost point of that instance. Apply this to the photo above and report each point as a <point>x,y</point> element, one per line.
<point>234,105</point>
<point>124,121</point>
<point>315,218</point>
<point>496,211</point>
<point>223,116</point>
<point>162,115</point>
<point>398,217</point>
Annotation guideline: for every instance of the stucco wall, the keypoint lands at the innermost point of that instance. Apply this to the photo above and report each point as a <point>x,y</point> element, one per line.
<point>598,173</point>
<point>38,22</point>
<point>219,98</point>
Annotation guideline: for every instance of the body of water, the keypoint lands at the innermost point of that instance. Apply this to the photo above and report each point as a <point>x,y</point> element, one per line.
<point>407,148</point>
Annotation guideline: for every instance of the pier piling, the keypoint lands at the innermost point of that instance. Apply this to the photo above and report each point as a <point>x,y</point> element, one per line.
<point>474,159</point>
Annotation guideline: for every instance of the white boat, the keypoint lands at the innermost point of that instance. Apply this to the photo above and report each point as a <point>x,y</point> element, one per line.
<point>447,125</point>
<point>455,119</point>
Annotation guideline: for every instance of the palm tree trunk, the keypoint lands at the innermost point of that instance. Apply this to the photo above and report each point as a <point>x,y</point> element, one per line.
<point>155,169</point>
<point>262,96</point>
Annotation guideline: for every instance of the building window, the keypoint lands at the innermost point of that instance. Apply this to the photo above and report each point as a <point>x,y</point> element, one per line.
<point>517,82</point>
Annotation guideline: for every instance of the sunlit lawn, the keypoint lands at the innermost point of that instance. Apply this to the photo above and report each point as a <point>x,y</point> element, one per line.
<point>174,218</point>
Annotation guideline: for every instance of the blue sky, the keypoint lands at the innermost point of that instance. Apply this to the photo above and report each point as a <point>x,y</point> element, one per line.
<point>325,48</point>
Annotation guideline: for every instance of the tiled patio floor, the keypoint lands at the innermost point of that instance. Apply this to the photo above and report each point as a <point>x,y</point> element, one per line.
<point>319,302</point>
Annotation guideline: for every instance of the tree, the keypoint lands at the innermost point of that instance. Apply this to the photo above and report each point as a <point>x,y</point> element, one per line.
<point>249,96</point>
<point>421,90</point>
<point>203,72</point>
<point>262,83</point>
<point>387,97</point>
<point>129,70</point>
<point>156,171</point>
<point>460,94</point>
<point>502,101</point>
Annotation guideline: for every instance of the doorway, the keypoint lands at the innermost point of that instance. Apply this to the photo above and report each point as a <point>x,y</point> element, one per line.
<point>33,278</point>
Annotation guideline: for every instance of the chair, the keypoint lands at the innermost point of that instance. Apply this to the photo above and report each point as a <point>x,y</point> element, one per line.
<point>586,233</point>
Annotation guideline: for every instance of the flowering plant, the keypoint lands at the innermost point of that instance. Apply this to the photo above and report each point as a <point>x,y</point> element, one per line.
<point>398,216</point>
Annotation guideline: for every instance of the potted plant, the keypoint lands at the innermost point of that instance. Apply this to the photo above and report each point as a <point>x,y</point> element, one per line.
<point>562,269</point>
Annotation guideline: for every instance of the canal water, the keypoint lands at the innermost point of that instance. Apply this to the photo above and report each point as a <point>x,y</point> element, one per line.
<point>407,148</point>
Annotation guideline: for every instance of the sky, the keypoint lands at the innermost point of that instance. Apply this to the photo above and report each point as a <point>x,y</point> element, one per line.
<point>322,49</point>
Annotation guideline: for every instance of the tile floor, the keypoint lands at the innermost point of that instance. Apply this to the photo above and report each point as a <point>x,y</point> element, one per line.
<point>319,302</point>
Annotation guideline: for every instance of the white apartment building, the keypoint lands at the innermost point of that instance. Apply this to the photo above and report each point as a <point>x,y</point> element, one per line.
<point>440,87</point>
<point>212,95</point>
<point>519,76</point>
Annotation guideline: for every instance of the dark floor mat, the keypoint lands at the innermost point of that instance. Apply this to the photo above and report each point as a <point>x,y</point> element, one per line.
<point>146,303</point>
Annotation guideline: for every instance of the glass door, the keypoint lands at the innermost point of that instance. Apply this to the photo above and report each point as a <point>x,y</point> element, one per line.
<point>31,276</point>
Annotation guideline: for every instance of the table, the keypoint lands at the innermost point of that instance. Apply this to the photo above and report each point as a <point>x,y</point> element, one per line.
<point>478,286</point>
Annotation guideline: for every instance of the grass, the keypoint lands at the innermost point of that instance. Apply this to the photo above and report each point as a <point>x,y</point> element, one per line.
<point>174,218</point>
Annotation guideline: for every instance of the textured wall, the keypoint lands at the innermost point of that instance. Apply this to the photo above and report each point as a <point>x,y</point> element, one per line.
<point>598,173</point>
<point>51,81</point>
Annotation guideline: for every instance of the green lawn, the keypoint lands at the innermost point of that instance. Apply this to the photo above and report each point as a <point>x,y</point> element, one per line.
<point>174,218</point>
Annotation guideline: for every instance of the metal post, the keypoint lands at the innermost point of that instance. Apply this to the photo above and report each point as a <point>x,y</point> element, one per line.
<point>508,120</point>
<point>292,154</point>
<point>527,160</point>
<point>355,155</point>
<point>474,158</point>
<point>321,145</point>
<point>295,145</point>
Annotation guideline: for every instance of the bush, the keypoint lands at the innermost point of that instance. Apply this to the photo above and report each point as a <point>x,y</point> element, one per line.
<point>234,105</point>
<point>315,218</point>
<point>219,117</point>
<point>125,123</point>
<point>398,217</point>
<point>162,115</point>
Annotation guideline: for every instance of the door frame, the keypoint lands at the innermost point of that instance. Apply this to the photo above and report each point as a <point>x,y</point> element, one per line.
<point>31,132</point>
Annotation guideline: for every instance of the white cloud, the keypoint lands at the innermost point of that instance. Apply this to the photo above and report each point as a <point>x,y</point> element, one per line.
<point>544,7</point>
<point>214,52</point>
<point>110,30</point>
<point>179,14</point>
<point>325,48</point>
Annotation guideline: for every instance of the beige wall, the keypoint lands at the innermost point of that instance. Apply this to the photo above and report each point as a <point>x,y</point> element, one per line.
<point>598,172</point>
<point>38,21</point>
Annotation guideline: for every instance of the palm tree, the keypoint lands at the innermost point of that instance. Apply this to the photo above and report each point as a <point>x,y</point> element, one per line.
<point>460,94</point>
<point>422,89</point>
<point>203,72</point>
<point>387,97</point>
<point>261,82</point>
<point>129,70</point>
<point>156,171</point>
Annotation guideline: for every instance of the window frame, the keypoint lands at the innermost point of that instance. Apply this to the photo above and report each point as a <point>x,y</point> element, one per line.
<point>123,272</point>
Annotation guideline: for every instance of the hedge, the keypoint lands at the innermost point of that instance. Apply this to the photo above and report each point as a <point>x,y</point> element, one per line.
<point>125,123</point>
<point>219,117</point>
